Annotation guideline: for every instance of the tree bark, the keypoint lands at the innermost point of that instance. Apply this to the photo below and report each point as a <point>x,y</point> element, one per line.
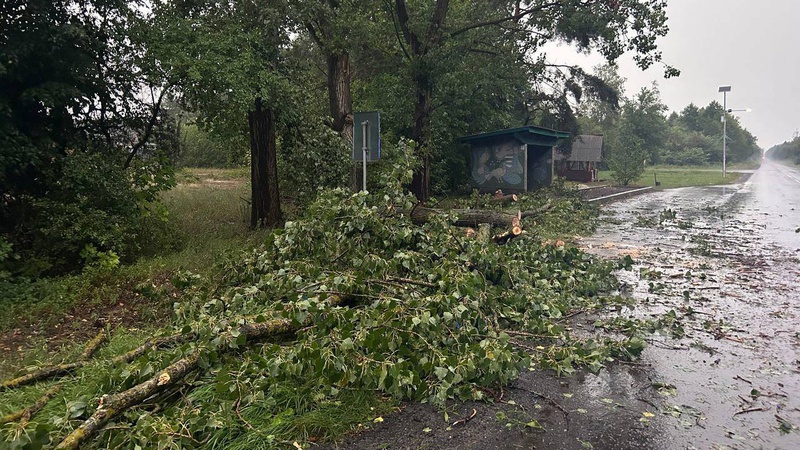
<point>466,217</point>
<point>474,217</point>
<point>265,206</point>
<point>339,95</point>
<point>423,83</point>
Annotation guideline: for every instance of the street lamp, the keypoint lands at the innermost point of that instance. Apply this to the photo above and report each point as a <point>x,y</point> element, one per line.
<point>724,90</point>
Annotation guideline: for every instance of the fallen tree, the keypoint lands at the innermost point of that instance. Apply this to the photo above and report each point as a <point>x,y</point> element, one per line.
<point>58,370</point>
<point>419,298</point>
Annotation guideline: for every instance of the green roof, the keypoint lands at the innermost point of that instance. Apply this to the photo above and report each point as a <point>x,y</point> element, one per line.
<point>527,134</point>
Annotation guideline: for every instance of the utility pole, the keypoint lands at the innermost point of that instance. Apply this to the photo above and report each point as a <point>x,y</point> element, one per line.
<point>724,90</point>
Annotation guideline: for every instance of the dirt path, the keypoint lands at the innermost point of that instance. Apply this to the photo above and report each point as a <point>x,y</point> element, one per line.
<point>724,373</point>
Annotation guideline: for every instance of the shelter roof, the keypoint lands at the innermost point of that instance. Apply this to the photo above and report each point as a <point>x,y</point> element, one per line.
<point>528,134</point>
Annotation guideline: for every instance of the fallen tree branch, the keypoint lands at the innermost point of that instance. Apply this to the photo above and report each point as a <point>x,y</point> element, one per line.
<point>58,370</point>
<point>749,410</point>
<point>41,374</point>
<point>25,415</point>
<point>93,345</point>
<point>148,344</point>
<point>464,420</point>
<point>112,406</point>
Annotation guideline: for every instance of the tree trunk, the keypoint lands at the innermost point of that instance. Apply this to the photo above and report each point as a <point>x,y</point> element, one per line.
<point>466,217</point>
<point>341,100</point>
<point>474,217</point>
<point>423,82</point>
<point>341,104</point>
<point>265,207</point>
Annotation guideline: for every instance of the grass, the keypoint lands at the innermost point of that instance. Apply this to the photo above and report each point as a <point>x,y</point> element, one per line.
<point>208,214</point>
<point>681,176</point>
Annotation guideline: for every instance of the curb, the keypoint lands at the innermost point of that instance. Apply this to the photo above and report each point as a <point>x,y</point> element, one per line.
<point>620,194</point>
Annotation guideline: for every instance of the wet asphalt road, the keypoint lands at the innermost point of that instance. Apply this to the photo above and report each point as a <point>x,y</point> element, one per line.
<point>724,262</point>
<point>776,194</point>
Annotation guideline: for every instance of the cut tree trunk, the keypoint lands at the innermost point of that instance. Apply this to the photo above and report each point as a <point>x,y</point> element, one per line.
<point>470,217</point>
<point>504,199</point>
<point>266,204</point>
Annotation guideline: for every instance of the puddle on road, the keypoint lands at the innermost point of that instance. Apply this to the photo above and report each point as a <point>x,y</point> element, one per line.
<point>704,256</point>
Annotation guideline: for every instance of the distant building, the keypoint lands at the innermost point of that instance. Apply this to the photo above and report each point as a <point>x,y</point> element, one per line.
<point>513,160</point>
<point>581,164</point>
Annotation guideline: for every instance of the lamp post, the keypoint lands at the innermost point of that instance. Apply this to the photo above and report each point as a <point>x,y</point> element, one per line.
<point>724,90</point>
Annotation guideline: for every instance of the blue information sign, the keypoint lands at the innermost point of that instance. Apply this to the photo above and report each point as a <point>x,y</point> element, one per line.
<point>367,132</point>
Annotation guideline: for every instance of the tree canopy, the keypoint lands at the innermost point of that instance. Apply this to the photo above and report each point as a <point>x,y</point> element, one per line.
<point>79,101</point>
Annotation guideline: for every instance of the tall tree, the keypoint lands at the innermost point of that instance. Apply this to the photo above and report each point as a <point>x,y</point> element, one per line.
<point>78,97</point>
<point>432,35</point>
<point>228,56</point>
<point>628,151</point>
<point>645,119</point>
<point>329,24</point>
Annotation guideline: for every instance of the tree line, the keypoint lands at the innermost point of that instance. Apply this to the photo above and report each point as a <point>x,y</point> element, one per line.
<point>788,151</point>
<point>640,132</point>
<point>93,95</point>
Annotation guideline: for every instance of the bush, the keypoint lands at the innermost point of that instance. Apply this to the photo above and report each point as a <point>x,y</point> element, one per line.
<point>89,201</point>
<point>200,149</point>
<point>687,157</point>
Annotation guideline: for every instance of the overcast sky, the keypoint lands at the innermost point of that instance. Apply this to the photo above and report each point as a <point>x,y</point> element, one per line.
<point>751,45</point>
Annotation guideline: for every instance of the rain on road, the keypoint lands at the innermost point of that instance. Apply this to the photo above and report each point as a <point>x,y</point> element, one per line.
<point>722,263</point>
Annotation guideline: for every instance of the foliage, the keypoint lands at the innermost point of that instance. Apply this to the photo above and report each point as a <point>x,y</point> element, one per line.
<point>627,157</point>
<point>423,312</point>
<point>200,149</point>
<point>789,151</point>
<point>73,116</point>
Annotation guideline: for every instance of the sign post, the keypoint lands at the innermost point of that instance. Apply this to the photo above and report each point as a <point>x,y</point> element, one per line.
<point>367,144</point>
<point>365,147</point>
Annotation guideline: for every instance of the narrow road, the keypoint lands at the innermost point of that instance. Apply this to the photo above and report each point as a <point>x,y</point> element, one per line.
<point>776,193</point>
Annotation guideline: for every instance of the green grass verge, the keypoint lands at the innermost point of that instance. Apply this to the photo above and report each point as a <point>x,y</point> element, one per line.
<point>678,176</point>
<point>208,213</point>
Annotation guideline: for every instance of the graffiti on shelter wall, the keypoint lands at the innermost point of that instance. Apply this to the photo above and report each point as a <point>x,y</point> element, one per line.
<point>498,166</point>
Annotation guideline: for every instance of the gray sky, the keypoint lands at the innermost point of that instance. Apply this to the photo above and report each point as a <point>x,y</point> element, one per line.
<point>750,45</point>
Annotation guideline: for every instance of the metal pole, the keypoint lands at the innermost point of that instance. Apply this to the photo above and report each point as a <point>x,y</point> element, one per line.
<point>364,148</point>
<point>724,133</point>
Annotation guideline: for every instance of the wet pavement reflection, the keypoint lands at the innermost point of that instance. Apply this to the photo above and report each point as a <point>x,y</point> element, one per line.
<point>722,263</point>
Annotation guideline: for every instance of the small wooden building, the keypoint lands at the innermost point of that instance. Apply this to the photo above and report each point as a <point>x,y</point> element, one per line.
<point>581,164</point>
<point>514,160</point>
